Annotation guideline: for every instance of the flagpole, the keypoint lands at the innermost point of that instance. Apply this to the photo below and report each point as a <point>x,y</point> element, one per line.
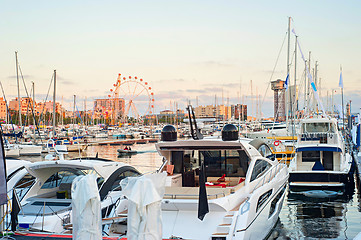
<point>343,112</point>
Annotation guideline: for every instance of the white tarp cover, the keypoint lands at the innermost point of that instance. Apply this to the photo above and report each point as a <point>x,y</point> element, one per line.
<point>86,213</point>
<point>144,210</point>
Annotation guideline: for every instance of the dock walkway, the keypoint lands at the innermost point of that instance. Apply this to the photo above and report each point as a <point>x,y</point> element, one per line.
<point>128,142</point>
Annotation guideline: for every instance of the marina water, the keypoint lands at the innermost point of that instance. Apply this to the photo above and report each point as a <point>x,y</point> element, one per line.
<point>299,218</point>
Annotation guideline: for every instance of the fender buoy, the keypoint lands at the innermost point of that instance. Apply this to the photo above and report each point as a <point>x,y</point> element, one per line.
<point>276,143</point>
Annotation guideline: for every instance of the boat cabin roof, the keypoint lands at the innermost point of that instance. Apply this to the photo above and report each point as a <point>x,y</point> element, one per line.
<point>200,144</point>
<point>104,169</point>
<point>311,125</point>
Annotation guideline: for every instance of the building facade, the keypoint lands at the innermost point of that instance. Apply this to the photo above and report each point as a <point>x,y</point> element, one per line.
<point>105,107</point>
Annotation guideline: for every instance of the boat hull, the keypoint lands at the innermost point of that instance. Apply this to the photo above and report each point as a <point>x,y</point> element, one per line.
<point>315,180</point>
<point>30,150</point>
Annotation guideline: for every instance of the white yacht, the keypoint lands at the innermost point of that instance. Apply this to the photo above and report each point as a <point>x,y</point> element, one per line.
<point>27,149</point>
<point>46,198</point>
<point>244,190</point>
<point>322,161</point>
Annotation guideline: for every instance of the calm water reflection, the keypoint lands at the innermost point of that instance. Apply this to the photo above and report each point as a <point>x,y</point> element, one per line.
<point>299,218</point>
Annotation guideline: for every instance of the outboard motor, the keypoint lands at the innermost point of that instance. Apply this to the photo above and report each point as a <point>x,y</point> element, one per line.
<point>169,133</point>
<point>229,133</point>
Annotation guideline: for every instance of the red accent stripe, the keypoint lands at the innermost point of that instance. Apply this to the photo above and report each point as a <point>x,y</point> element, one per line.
<point>49,235</point>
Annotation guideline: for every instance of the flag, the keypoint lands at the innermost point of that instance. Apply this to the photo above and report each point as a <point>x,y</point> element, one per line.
<point>15,209</point>
<point>3,188</point>
<point>313,85</point>
<point>340,83</point>
<point>287,82</point>
<point>203,208</point>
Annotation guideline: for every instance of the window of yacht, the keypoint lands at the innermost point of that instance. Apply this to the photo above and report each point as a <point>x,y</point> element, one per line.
<point>64,176</point>
<point>213,163</point>
<point>191,160</point>
<point>112,183</point>
<point>260,167</point>
<point>318,127</point>
<point>310,156</point>
<point>275,201</point>
<point>23,186</point>
<point>116,183</point>
<point>233,163</point>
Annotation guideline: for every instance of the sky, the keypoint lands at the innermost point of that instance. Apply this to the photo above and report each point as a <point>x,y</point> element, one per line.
<point>195,51</point>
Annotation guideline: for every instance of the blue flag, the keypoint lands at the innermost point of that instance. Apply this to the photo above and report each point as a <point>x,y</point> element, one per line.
<point>340,83</point>
<point>287,82</point>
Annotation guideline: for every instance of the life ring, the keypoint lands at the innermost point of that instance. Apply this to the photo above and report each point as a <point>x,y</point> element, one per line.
<point>276,143</point>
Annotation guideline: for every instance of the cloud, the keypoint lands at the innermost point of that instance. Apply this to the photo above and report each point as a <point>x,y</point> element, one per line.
<point>25,77</point>
<point>170,80</point>
<point>64,81</point>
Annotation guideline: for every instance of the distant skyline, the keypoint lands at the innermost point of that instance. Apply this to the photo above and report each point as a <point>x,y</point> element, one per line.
<point>184,49</point>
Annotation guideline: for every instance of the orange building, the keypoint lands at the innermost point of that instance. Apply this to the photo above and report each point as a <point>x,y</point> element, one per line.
<point>105,107</point>
<point>2,109</point>
<point>26,105</point>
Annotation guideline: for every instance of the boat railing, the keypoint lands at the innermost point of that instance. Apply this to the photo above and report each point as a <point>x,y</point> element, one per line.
<point>317,134</point>
<point>284,158</point>
<point>323,137</point>
<point>269,174</point>
<point>194,196</point>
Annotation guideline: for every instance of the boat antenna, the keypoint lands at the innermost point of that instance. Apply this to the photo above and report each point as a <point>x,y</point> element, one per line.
<point>196,134</point>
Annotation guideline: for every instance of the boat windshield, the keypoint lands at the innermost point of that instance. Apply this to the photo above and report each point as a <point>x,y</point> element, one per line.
<point>318,127</point>
<point>66,176</point>
<point>232,163</point>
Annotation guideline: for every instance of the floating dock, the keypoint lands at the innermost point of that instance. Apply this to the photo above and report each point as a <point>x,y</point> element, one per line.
<point>116,142</point>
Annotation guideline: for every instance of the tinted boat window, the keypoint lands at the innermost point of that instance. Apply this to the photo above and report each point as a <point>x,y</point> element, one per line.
<point>213,163</point>
<point>116,183</point>
<point>260,167</point>
<point>318,127</point>
<point>23,186</point>
<point>310,156</point>
<point>65,176</point>
<point>233,163</point>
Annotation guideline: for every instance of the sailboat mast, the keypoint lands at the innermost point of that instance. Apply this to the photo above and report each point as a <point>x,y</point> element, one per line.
<point>288,108</point>
<point>74,114</point>
<point>54,105</point>
<point>252,102</point>
<point>295,88</point>
<point>308,81</point>
<point>17,80</point>
<point>305,98</point>
<point>315,77</point>
<point>33,103</point>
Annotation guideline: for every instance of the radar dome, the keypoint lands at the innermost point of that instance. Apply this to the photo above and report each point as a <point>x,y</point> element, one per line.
<point>229,133</point>
<point>169,133</point>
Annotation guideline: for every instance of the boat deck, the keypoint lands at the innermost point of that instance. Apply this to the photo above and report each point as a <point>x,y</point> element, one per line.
<point>193,192</point>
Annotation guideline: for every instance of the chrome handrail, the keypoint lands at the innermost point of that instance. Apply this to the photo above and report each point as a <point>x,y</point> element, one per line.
<point>174,196</point>
<point>269,172</point>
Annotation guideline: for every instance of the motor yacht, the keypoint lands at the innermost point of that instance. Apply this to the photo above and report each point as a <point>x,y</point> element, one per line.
<point>322,160</point>
<point>244,190</point>
<point>46,200</point>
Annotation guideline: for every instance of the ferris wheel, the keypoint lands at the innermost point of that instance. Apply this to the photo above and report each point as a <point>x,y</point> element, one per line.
<point>137,95</point>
